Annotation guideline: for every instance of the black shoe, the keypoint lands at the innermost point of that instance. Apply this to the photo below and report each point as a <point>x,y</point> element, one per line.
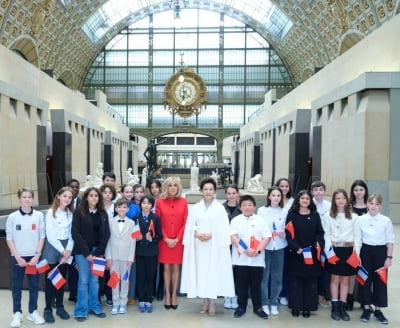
<point>335,310</point>
<point>98,315</point>
<point>239,312</point>
<point>80,319</point>
<point>260,313</point>
<point>109,302</point>
<point>380,317</point>
<point>365,315</point>
<point>295,313</point>
<point>167,306</point>
<point>48,316</point>
<point>72,299</point>
<point>62,313</point>
<point>343,314</point>
<point>306,314</point>
<point>174,307</point>
<point>350,302</point>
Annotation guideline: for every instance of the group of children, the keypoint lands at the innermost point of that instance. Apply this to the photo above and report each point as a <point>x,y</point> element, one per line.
<point>285,261</point>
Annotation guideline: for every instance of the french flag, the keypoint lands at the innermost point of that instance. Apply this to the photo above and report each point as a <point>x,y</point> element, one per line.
<point>274,230</point>
<point>98,266</point>
<point>362,275</point>
<point>331,256</point>
<point>241,247</point>
<point>307,255</point>
<point>42,266</point>
<point>125,277</point>
<point>323,258</point>
<point>136,234</point>
<point>56,278</point>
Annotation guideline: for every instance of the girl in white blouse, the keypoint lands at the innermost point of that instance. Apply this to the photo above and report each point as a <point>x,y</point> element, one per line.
<point>58,248</point>
<point>339,236</point>
<point>375,246</point>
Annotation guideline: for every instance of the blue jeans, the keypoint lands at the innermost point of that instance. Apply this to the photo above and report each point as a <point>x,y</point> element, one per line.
<point>273,269</point>
<point>132,281</point>
<point>88,289</point>
<point>18,274</point>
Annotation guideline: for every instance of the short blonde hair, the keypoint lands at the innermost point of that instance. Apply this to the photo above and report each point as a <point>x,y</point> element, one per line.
<point>377,197</point>
<point>167,182</point>
<point>25,189</point>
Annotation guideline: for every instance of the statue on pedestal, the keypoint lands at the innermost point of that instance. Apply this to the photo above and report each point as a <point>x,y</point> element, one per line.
<point>131,179</point>
<point>194,177</point>
<point>151,155</point>
<point>255,184</point>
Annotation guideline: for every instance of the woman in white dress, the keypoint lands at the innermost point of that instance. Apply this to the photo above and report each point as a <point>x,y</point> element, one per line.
<point>207,267</point>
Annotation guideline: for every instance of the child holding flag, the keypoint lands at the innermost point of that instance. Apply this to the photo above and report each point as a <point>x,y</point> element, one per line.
<point>58,249</point>
<point>90,232</point>
<point>275,216</point>
<point>120,253</point>
<point>340,234</point>
<point>250,236</point>
<point>375,247</point>
<point>25,234</point>
<point>305,238</point>
<point>147,253</point>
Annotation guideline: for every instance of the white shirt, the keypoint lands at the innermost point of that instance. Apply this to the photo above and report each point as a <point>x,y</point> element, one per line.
<point>58,228</point>
<point>339,229</point>
<point>374,230</point>
<point>275,218</point>
<point>247,227</point>
<point>110,211</point>
<point>322,207</point>
<point>289,204</point>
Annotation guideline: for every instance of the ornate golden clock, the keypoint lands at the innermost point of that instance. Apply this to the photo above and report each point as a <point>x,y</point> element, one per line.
<point>185,93</point>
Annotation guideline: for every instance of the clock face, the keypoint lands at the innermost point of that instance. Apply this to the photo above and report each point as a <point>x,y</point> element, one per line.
<point>185,92</point>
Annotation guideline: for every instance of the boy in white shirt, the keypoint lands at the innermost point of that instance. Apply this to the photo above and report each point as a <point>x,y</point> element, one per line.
<point>250,236</point>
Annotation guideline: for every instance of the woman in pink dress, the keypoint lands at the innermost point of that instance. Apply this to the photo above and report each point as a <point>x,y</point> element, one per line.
<point>172,210</point>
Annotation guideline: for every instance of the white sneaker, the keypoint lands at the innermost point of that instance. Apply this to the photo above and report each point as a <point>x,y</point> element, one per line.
<point>235,304</point>
<point>17,320</point>
<point>35,318</point>
<point>283,301</point>
<point>265,309</point>
<point>227,302</point>
<point>274,310</point>
<point>114,310</point>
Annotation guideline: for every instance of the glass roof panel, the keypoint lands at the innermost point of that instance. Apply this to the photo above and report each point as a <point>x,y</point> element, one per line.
<point>113,11</point>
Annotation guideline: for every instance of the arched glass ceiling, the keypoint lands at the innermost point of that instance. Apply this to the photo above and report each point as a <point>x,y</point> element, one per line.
<point>113,11</point>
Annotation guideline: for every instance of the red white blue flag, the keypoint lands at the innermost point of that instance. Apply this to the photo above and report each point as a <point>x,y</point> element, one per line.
<point>362,275</point>
<point>241,247</point>
<point>331,256</point>
<point>42,266</point>
<point>136,234</point>
<point>98,266</point>
<point>56,278</point>
<point>307,255</point>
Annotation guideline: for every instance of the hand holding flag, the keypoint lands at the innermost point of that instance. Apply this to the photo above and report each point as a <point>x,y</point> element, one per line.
<point>289,227</point>
<point>98,266</point>
<point>382,273</point>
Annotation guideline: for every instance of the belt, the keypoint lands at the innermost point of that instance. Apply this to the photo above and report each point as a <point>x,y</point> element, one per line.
<point>342,244</point>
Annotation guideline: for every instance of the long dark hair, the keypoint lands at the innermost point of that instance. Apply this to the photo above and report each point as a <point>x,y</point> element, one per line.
<point>84,205</point>
<point>360,183</point>
<point>290,192</point>
<point>296,204</point>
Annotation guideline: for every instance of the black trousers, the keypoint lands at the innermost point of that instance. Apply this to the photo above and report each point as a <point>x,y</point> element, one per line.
<point>50,292</point>
<point>303,293</point>
<point>374,291</point>
<point>248,277</point>
<point>146,269</point>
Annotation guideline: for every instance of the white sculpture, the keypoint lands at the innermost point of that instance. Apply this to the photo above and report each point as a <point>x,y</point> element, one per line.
<point>194,177</point>
<point>98,175</point>
<point>131,179</point>
<point>214,175</point>
<point>144,176</point>
<point>88,183</point>
<point>255,184</point>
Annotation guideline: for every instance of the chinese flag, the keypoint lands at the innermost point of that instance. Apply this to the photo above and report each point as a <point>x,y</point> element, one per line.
<point>114,280</point>
<point>289,227</point>
<point>382,273</point>
<point>254,242</point>
<point>30,269</point>
<point>353,260</point>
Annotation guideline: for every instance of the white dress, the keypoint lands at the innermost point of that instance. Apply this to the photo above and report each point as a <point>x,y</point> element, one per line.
<point>207,266</point>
